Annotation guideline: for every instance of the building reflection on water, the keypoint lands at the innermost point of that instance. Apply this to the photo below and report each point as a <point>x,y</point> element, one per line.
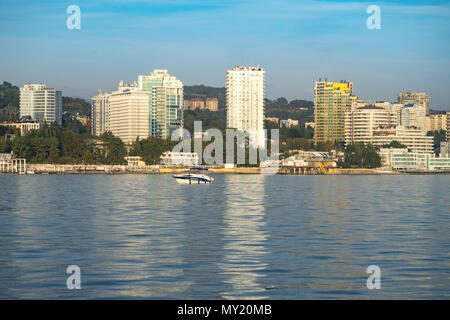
<point>244,237</point>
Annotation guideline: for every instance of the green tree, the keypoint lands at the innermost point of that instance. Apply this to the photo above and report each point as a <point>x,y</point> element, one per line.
<point>114,149</point>
<point>362,156</point>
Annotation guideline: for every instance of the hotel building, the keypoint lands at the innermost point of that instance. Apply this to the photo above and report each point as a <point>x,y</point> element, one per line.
<point>410,97</point>
<point>41,103</point>
<point>245,101</point>
<point>129,113</point>
<point>332,100</point>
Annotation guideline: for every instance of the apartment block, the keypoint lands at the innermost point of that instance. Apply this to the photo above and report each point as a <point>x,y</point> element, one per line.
<point>410,97</point>
<point>100,114</point>
<point>362,121</point>
<point>193,104</point>
<point>245,101</point>
<point>413,115</point>
<point>436,122</point>
<point>212,104</point>
<point>332,100</point>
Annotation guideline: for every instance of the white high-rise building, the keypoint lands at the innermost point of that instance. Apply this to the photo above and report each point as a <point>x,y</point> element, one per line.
<point>245,101</point>
<point>100,114</point>
<point>129,113</point>
<point>41,103</point>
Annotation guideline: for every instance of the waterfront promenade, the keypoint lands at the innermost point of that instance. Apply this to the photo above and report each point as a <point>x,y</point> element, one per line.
<point>155,169</point>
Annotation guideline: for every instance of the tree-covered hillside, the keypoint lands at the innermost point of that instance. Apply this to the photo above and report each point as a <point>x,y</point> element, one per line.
<point>301,110</point>
<point>9,102</point>
<point>202,91</point>
<point>76,105</point>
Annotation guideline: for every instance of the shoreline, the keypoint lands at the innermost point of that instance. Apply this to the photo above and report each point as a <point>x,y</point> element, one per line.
<point>124,169</point>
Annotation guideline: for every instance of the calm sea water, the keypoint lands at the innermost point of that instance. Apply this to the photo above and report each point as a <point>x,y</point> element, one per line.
<point>244,237</point>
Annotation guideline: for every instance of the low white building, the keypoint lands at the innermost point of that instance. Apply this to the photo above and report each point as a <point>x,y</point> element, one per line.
<point>25,124</point>
<point>179,158</point>
<point>399,159</point>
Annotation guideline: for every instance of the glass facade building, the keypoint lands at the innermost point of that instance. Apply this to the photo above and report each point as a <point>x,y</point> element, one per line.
<point>165,102</point>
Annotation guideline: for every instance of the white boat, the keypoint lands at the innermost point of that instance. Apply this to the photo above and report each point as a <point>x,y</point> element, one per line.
<point>194,176</point>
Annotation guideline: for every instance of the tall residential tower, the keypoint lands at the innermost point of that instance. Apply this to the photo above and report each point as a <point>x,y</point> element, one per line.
<point>100,114</point>
<point>332,100</point>
<point>245,101</point>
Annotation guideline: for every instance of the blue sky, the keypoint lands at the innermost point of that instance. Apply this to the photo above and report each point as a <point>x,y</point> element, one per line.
<point>295,41</point>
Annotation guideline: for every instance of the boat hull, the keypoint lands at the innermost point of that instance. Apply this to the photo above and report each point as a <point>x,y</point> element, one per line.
<point>193,179</point>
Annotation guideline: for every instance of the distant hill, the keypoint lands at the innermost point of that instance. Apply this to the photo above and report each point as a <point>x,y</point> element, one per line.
<point>76,105</point>
<point>301,110</point>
